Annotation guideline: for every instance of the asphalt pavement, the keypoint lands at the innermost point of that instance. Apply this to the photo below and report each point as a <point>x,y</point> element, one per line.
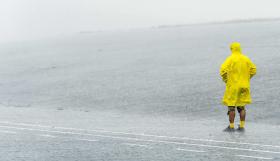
<point>32,134</point>
<point>150,94</point>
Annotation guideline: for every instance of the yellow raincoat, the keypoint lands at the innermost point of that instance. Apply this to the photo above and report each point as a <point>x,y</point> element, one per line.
<point>236,72</point>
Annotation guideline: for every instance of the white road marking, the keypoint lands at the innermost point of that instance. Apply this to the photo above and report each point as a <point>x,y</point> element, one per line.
<point>52,136</point>
<point>90,140</point>
<point>149,135</point>
<point>190,150</point>
<point>146,140</point>
<point>140,145</point>
<point>8,132</point>
<point>46,135</point>
<point>247,156</point>
<point>24,124</point>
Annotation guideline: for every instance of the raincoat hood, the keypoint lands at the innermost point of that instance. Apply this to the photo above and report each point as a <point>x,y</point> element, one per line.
<point>235,47</point>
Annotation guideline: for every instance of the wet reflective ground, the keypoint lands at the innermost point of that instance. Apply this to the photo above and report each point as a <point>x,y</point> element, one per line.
<point>147,94</point>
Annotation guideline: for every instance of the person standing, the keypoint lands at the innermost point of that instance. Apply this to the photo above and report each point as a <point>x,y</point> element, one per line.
<point>236,72</point>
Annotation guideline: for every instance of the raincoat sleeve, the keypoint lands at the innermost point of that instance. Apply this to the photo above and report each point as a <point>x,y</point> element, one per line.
<point>253,68</point>
<point>224,70</point>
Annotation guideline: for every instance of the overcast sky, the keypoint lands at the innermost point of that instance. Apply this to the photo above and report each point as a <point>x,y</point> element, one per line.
<point>31,19</point>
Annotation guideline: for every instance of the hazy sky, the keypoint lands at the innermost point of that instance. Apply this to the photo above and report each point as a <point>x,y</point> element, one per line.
<point>29,19</point>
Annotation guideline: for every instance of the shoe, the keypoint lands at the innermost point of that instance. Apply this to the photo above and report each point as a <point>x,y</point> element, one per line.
<point>228,129</point>
<point>241,129</point>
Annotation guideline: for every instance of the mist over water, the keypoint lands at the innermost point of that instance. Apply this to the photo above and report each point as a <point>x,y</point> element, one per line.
<point>171,71</point>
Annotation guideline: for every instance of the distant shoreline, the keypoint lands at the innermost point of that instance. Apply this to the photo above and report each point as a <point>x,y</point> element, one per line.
<point>222,22</point>
<point>233,21</point>
<point>86,32</point>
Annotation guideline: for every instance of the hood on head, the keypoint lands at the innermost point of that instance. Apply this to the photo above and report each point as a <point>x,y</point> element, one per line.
<point>235,47</point>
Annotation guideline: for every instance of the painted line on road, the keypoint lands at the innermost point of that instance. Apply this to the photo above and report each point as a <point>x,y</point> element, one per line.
<point>147,140</point>
<point>190,150</point>
<point>255,157</point>
<point>90,140</point>
<point>148,135</point>
<point>8,132</point>
<point>243,156</point>
<point>48,136</point>
<point>139,145</point>
<point>52,136</point>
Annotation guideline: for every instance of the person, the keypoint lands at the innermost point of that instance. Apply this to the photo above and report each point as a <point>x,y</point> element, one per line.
<point>236,71</point>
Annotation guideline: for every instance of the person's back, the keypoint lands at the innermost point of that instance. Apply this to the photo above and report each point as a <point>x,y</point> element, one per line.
<point>236,72</point>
